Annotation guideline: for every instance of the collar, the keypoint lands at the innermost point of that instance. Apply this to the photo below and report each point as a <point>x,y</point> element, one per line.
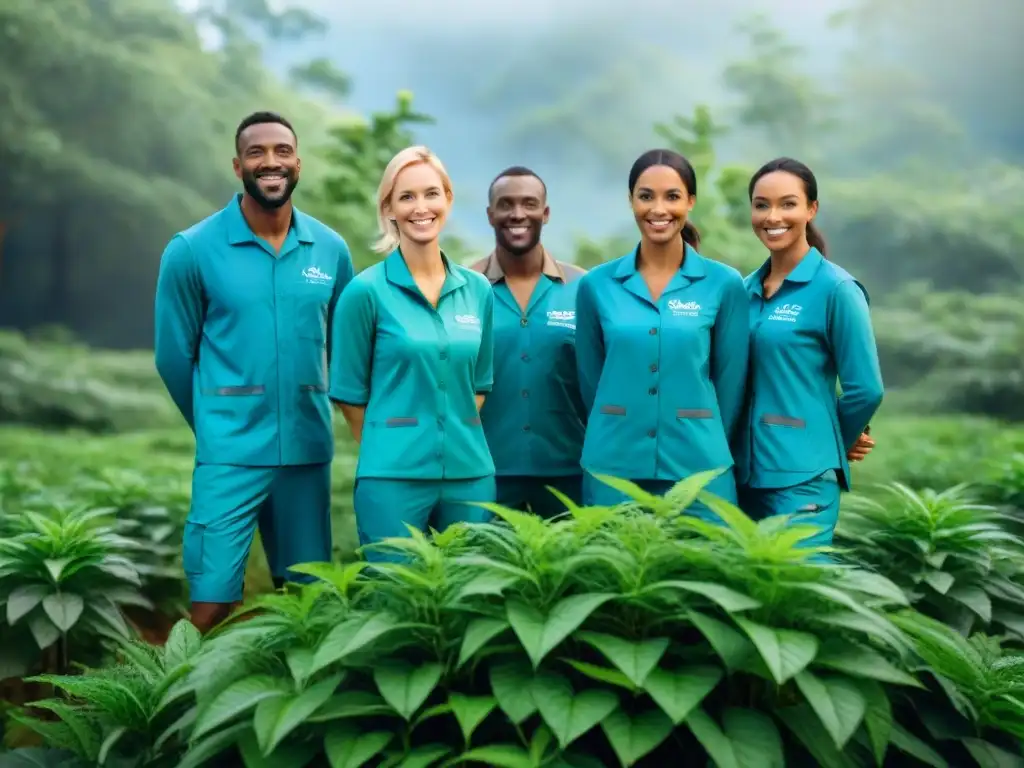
<point>693,266</point>
<point>549,267</point>
<point>239,230</point>
<point>804,272</point>
<point>397,273</point>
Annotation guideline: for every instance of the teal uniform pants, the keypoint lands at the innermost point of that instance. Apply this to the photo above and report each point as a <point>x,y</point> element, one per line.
<point>531,494</point>
<point>290,505</point>
<point>384,507</point>
<point>596,493</point>
<point>815,502</point>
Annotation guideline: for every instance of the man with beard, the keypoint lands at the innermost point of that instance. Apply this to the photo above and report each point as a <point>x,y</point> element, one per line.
<point>534,418</point>
<point>244,301</point>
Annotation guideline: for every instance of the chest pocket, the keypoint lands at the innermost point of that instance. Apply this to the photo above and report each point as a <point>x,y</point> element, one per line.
<point>308,303</point>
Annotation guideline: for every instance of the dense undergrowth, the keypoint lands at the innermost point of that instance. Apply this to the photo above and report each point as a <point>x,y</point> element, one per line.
<point>627,636</point>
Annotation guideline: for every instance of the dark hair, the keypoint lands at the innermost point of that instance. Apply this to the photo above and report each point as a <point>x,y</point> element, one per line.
<point>679,164</point>
<point>260,118</point>
<point>515,170</point>
<point>802,172</point>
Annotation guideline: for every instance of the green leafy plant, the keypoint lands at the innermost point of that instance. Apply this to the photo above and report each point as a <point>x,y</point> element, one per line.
<point>953,557</point>
<point>129,714</point>
<point>64,577</point>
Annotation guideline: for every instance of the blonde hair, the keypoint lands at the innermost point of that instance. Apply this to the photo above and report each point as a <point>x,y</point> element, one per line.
<point>388,229</point>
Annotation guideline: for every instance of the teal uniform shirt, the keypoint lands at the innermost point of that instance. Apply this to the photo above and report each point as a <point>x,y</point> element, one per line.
<point>534,418</point>
<point>242,337</point>
<point>815,331</point>
<point>663,381</point>
<point>416,370</point>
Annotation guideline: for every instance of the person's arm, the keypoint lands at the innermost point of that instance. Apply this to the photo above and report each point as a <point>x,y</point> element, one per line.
<point>589,344</point>
<point>352,339</point>
<point>483,376</point>
<point>343,276</point>
<point>178,315</point>
<point>852,341</point>
<point>730,353</point>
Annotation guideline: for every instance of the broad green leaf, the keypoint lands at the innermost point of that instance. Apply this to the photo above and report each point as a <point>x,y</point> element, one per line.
<point>539,634</point>
<point>425,756</point>
<point>277,717</point>
<point>350,704</point>
<point>348,747</point>
<point>64,609</point>
<point>23,600</point>
<point>238,698</point>
<point>55,567</point>
<point>678,693</point>
<point>300,663</point>
<point>873,584</point>
<point>908,743</point>
<point>353,636</point>
<point>806,726</point>
<point>877,717</point>
<point>470,711</point>
<point>718,746</point>
<point>43,630</point>
<point>838,703</point>
<point>988,755</point>
<point>497,755</point>
<point>860,661</point>
<point>406,687</point>
<point>634,737</point>
<point>488,583</point>
<point>290,755</point>
<point>728,599</point>
<point>182,644</point>
<point>634,659</point>
<point>570,715</point>
<point>602,674</point>
<point>786,652</point>
<point>974,598</point>
<point>731,646</point>
<point>201,752</point>
<point>940,581</point>
<point>479,632</point>
<point>511,684</point>
<point>756,742</point>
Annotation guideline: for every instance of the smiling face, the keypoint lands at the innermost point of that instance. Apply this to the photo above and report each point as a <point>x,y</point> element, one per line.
<point>780,210</point>
<point>268,164</point>
<point>661,202</point>
<point>419,203</point>
<point>518,212</point>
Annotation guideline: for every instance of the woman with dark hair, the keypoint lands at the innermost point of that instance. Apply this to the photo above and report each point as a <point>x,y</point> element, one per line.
<point>661,346</point>
<point>810,328</point>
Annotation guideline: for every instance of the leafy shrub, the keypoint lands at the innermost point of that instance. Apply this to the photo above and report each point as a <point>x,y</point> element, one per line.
<point>952,557</point>
<point>632,635</point>
<point>64,578</point>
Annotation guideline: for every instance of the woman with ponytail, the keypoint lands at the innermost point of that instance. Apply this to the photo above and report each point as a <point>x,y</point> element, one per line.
<point>810,329</point>
<point>661,347</point>
<point>412,362</point>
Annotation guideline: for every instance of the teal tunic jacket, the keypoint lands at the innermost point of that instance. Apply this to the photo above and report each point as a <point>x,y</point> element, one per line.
<point>417,371</point>
<point>813,333</point>
<point>534,418</point>
<point>242,337</point>
<point>663,381</point>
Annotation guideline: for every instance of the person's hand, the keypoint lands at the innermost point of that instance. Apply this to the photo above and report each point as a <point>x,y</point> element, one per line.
<point>861,448</point>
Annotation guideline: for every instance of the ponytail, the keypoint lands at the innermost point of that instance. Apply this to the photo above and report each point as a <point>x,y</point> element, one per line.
<point>691,236</point>
<point>816,240</point>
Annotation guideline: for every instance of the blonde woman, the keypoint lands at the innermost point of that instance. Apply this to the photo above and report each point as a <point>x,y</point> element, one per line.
<point>412,361</point>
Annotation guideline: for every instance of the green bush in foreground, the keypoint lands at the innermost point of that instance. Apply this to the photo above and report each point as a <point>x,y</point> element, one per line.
<point>626,636</point>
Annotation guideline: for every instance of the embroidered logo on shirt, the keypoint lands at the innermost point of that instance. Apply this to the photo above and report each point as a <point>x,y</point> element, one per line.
<point>467,320</point>
<point>786,313</point>
<point>684,308</point>
<point>315,276</point>
<point>562,318</point>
